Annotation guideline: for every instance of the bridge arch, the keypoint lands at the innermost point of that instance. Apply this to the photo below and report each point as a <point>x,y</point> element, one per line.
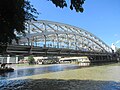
<point>58,35</point>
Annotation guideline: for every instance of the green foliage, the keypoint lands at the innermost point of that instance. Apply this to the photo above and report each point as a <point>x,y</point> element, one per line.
<point>13,14</point>
<point>75,4</point>
<point>31,60</point>
<point>118,51</point>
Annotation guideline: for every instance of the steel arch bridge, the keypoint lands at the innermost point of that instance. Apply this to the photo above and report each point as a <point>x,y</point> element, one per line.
<point>58,35</point>
<point>47,38</point>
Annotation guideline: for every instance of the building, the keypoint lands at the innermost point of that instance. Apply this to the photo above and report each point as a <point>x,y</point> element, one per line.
<point>8,59</point>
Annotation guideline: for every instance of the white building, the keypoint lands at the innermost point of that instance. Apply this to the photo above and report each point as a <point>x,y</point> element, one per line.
<point>8,59</point>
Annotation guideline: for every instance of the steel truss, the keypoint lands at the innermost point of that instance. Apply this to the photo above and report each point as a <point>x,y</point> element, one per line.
<point>58,35</point>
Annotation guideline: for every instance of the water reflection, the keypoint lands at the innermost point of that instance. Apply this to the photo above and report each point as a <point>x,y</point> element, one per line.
<point>34,71</point>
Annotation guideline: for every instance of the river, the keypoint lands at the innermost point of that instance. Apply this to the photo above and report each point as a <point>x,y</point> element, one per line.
<point>63,77</point>
<point>29,71</point>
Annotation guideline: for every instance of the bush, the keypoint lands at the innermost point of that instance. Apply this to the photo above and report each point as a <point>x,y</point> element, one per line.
<point>31,60</point>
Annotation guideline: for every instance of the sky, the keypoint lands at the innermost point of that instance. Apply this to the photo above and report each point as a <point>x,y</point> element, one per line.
<point>100,17</point>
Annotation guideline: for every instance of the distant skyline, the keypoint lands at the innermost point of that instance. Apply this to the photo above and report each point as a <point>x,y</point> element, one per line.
<point>100,17</point>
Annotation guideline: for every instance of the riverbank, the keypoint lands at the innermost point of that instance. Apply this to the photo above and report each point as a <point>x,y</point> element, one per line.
<point>25,66</point>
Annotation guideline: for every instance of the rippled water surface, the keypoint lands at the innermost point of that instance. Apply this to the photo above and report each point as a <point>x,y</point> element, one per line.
<point>37,70</point>
<point>72,77</point>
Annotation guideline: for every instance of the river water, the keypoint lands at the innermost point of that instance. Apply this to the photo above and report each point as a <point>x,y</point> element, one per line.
<point>105,77</point>
<point>37,70</point>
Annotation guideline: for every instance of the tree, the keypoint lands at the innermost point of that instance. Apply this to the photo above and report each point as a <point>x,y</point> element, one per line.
<point>118,51</point>
<point>31,60</point>
<point>14,13</point>
<point>75,4</point>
